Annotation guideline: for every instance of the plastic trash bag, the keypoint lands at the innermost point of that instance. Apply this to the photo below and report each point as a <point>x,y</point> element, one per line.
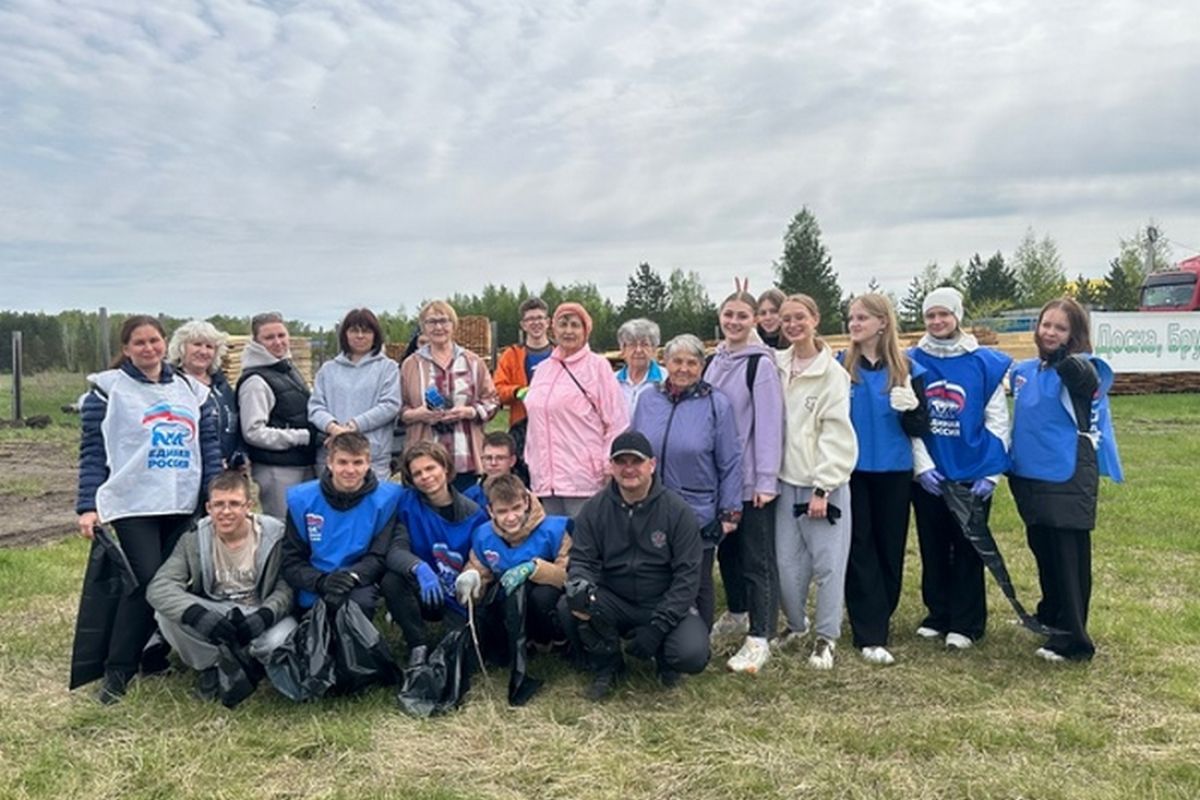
<point>107,579</point>
<point>237,675</point>
<point>361,656</point>
<point>302,668</point>
<point>438,685</point>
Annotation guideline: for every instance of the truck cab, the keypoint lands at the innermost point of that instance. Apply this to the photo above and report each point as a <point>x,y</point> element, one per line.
<point>1173,290</point>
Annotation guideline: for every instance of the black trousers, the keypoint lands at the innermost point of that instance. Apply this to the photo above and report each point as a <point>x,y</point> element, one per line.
<point>1064,561</point>
<point>879,503</point>
<point>706,598</point>
<point>951,571</point>
<point>402,594</point>
<point>748,571</point>
<point>542,624</point>
<point>683,649</point>
<point>147,542</point>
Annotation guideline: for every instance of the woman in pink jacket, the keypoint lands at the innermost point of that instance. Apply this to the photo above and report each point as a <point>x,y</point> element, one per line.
<point>576,409</point>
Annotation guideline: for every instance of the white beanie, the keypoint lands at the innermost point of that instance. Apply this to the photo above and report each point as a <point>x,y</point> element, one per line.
<point>946,297</point>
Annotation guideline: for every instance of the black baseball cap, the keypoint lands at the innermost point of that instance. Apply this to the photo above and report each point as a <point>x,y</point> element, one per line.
<point>631,443</point>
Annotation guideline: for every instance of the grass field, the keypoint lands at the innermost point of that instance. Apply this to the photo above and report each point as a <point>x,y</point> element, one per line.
<point>989,722</point>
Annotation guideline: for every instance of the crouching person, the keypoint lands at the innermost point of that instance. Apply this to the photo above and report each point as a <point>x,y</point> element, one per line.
<point>634,573</point>
<point>221,585</point>
<point>527,552</point>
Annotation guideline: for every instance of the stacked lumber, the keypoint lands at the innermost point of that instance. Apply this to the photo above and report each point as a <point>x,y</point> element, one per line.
<point>473,332</point>
<point>301,357</point>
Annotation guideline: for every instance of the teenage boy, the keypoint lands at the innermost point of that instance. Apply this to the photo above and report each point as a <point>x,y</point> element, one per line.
<point>499,457</point>
<point>515,368</point>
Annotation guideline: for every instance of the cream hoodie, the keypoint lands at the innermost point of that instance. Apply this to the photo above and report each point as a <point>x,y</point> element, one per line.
<point>819,448</point>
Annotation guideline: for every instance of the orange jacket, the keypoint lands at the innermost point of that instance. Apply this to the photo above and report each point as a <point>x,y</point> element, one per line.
<point>510,376</point>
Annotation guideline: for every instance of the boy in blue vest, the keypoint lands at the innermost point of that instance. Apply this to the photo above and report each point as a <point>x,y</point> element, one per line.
<point>339,528</point>
<point>499,457</point>
<point>527,551</point>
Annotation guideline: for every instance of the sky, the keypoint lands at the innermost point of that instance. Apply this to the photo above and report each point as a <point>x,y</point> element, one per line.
<point>196,157</point>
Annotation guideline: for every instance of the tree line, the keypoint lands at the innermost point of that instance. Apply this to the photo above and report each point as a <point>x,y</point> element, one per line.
<point>71,340</point>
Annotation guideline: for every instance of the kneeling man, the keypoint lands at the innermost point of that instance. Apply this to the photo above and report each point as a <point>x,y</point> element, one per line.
<point>634,573</point>
<point>221,585</point>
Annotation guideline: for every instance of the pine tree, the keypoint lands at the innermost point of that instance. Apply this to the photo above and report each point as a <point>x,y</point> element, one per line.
<point>1120,288</point>
<point>806,267</point>
<point>1085,293</point>
<point>1039,270</point>
<point>990,286</point>
<point>645,295</point>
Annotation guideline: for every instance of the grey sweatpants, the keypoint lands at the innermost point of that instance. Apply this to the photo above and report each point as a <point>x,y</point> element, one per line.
<point>808,549</point>
<point>200,654</point>
<point>273,483</point>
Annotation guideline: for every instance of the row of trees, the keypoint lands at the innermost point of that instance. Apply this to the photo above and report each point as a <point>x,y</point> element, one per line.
<point>679,302</point>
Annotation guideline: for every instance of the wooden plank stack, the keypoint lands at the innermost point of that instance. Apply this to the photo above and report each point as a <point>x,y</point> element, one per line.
<point>473,332</point>
<point>301,357</point>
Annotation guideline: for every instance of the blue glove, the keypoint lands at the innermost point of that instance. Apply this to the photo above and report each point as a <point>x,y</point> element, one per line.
<point>431,588</point>
<point>983,488</point>
<point>931,481</point>
<point>515,576</point>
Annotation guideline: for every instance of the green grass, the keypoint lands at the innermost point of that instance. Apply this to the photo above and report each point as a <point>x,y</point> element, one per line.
<point>44,393</point>
<point>990,722</point>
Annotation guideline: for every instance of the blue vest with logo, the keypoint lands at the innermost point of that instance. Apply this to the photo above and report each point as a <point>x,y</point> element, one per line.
<point>441,544</point>
<point>338,537</point>
<point>543,542</point>
<point>957,391</point>
<point>1045,430</point>
<point>883,446</point>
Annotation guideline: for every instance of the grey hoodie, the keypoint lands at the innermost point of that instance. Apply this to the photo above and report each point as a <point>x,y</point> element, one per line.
<point>367,393</point>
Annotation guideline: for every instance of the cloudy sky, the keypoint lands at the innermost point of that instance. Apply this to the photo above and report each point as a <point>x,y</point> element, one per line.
<point>203,156</point>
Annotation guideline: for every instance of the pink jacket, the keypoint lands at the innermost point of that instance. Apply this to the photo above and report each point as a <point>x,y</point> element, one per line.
<point>570,432</point>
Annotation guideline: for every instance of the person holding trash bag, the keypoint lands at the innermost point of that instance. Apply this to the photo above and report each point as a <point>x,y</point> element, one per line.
<point>812,516</point>
<point>634,574</point>
<point>1062,441</point>
<point>967,444</point>
<point>146,452</point>
<point>434,525</point>
<point>221,586</point>
<point>515,573</point>
<point>887,409</point>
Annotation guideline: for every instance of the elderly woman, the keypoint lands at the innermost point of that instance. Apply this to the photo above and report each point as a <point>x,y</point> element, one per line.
<point>639,340</point>
<point>575,411</point>
<point>359,390</point>
<point>197,349</point>
<point>691,427</point>
<point>447,394</point>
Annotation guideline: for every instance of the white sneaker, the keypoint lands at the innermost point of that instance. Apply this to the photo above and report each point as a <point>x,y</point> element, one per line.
<point>926,632</point>
<point>878,655</point>
<point>1047,654</point>
<point>730,624</point>
<point>822,654</point>
<point>958,641</point>
<point>751,658</point>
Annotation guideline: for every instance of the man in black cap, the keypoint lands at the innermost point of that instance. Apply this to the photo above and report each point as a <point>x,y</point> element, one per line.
<point>634,574</point>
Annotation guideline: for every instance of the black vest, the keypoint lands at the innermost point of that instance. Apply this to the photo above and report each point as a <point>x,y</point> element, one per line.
<point>290,411</point>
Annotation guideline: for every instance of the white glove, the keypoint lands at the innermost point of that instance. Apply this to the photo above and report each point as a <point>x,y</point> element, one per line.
<point>903,398</point>
<point>467,585</point>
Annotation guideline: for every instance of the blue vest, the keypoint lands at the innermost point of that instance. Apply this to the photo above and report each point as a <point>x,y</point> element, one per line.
<point>475,492</point>
<point>338,537</point>
<point>440,544</point>
<point>543,542</point>
<point>1045,431</point>
<point>957,391</point>
<point>883,446</point>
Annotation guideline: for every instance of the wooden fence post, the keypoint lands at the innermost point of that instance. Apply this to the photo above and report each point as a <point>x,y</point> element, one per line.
<point>16,366</point>
<point>102,338</point>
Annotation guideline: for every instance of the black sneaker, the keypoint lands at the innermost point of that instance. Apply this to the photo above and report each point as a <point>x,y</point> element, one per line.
<point>113,688</point>
<point>669,678</point>
<point>604,682</point>
<point>154,656</point>
<point>208,685</point>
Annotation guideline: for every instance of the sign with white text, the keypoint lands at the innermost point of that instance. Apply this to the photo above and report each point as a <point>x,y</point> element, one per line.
<point>1133,341</point>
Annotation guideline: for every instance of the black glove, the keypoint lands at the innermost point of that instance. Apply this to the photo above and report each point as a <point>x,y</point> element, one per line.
<point>251,626</point>
<point>337,583</point>
<point>1058,356</point>
<point>645,642</point>
<point>579,593</point>
<point>210,625</point>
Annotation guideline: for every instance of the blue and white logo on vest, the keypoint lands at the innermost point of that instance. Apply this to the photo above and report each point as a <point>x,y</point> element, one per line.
<point>172,429</point>
<point>946,402</point>
<point>492,558</point>
<point>314,524</point>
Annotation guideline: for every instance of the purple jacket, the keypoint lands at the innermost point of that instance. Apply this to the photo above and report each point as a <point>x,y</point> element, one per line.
<point>695,440</point>
<point>759,419</point>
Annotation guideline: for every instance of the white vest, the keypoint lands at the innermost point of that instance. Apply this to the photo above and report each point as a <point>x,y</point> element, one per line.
<point>152,446</point>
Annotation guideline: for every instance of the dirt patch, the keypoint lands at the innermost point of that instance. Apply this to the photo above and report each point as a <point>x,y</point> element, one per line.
<point>37,492</point>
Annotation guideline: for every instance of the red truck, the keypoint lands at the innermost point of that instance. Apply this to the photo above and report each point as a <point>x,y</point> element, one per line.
<point>1174,290</point>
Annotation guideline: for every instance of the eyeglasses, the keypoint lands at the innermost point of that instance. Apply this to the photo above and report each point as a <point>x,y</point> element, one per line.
<point>223,505</point>
<point>436,322</point>
<point>640,346</point>
<point>539,318</point>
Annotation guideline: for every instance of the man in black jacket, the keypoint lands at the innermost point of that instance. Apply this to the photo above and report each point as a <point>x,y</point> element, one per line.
<point>634,573</point>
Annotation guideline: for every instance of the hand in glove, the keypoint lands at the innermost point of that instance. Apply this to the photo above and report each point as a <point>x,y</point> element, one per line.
<point>334,586</point>
<point>1058,356</point>
<point>467,585</point>
<point>931,481</point>
<point>983,488</point>
<point>515,576</point>
<point>645,642</point>
<point>903,398</point>
<point>251,626</point>
<point>579,595</point>
<point>430,587</point>
<point>210,625</point>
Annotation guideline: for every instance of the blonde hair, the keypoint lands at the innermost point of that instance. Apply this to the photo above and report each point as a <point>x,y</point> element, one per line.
<point>810,306</point>
<point>442,306</point>
<point>198,330</point>
<point>880,307</point>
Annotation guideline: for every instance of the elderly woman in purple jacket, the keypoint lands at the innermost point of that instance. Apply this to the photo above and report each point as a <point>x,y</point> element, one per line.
<point>691,427</point>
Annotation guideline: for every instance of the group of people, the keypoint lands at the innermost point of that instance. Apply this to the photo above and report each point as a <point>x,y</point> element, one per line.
<point>591,527</point>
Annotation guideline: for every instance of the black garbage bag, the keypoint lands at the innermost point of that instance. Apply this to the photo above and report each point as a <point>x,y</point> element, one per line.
<point>107,579</point>
<point>970,513</point>
<point>521,685</point>
<point>438,685</point>
<point>237,675</point>
<point>302,668</point>
<point>361,656</point>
